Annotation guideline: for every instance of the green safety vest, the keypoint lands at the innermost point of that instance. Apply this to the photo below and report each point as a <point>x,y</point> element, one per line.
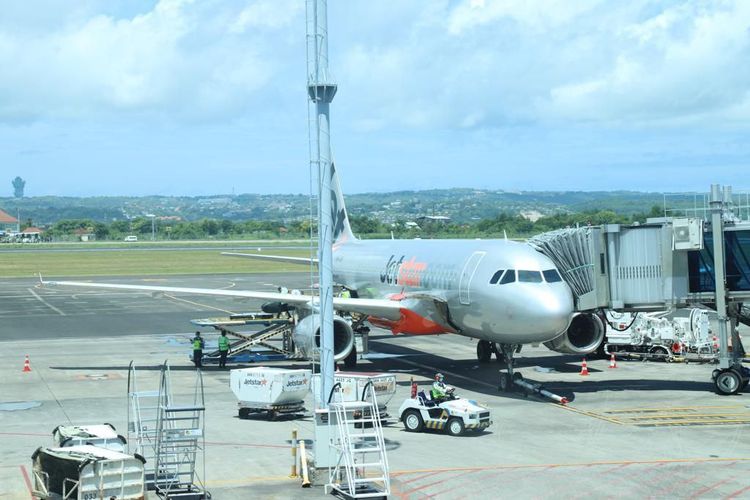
<point>197,344</point>
<point>223,343</point>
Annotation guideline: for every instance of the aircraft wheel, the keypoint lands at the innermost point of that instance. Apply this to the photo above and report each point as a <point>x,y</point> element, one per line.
<point>484,351</point>
<point>715,374</point>
<point>244,412</point>
<point>412,421</point>
<point>455,426</point>
<point>728,382</point>
<point>350,361</point>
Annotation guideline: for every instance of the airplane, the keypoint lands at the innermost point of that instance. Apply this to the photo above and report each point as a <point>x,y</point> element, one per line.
<point>503,293</point>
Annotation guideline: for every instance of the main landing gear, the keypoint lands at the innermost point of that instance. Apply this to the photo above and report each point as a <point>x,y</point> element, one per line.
<point>504,353</point>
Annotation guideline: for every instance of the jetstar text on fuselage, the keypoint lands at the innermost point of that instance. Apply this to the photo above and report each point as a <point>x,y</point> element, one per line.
<point>398,272</point>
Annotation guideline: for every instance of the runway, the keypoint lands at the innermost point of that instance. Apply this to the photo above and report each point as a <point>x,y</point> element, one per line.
<point>643,429</point>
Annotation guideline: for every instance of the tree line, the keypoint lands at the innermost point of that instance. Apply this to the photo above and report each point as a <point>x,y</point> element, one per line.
<point>512,225</point>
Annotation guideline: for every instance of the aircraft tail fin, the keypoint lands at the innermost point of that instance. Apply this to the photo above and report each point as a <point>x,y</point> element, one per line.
<point>342,231</point>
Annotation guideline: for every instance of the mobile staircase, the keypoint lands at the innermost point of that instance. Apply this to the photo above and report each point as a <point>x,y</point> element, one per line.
<point>361,470</point>
<point>143,409</point>
<point>170,436</point>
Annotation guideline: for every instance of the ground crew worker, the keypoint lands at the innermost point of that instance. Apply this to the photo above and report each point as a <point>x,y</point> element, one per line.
<point>197,349</point>
<point>439,389</point>
<point>346,294</point>
<point>223,350</point>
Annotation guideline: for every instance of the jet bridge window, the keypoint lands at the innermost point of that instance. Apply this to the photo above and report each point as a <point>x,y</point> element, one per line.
<point>496,277</point>
<point>529,276</point>
<point>551,276</point>
<point>509,277</point>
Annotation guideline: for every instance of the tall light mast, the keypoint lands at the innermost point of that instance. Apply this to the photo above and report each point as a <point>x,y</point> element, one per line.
<point>321,90</point>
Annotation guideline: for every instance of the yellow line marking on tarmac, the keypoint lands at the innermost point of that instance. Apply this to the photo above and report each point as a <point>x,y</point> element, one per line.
<point>574,464</point>
<point>674,423</point>
<point>197,303</point>
<point>687,415</point>
<point>590,414</point>
<point>681,408</point>
<point>666,417</point>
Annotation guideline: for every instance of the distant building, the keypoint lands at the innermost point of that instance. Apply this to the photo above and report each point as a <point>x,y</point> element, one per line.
<point>31,235</point>
<point>433,219</point>
<point>85,234</point>
<point>8,223</point>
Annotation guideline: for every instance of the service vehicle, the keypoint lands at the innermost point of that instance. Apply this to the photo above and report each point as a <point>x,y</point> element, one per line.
<point>273,391</point>
<point>453,415</point>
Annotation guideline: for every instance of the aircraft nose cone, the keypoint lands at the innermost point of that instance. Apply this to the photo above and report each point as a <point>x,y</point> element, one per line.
<point>555,312</point>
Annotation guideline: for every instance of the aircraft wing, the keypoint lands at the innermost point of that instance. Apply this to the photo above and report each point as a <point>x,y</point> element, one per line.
<point>381,308</point>
<point>275,258</point>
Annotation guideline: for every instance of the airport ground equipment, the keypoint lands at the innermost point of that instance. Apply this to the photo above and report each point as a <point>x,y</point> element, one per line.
<point>536,388</point>
<point>361,467</point>
<point>353,383</point>
<point>655,336</point>
<point>453,415</point>
<point>143,408</point>
<point>180,442</point>
<point>101,435</point>
<point>86,472</point>
<point>275,339</point>
<point>273,342</point>
<point>699,257</point>
<point>170,436</point>
<point>274,391</point>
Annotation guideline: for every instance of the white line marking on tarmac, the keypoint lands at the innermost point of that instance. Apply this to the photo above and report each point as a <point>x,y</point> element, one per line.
<point>196,303</point>
<point>58,311</point>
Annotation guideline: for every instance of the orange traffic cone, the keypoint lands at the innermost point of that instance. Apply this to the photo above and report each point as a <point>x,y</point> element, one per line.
<point>612,361</point>
<point>27,364</point>
<point>584,368</point>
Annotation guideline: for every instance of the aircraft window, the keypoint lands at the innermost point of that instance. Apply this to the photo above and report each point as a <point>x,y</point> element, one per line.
<point>530,276</point>
<point>509,277</point>
<point>496,276</point>
<point>551,276</point>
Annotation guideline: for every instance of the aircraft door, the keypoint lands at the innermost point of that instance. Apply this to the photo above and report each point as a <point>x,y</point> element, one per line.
<point>466,275</point>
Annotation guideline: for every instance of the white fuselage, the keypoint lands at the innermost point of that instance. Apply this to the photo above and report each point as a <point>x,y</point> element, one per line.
<point>496,290</point>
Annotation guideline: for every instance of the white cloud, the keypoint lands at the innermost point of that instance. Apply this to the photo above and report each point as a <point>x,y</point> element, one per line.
<point>515,61</point>
<point>183,57</point>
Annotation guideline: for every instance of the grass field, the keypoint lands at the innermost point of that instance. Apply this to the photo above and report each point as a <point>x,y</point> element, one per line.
<point>137,262</point>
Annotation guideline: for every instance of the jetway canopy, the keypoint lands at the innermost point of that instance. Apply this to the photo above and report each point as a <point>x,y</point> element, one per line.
<point>663,264</point>
<point>737,249</point>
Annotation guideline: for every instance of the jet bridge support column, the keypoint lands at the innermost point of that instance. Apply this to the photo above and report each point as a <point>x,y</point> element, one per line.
<point>731,376</point>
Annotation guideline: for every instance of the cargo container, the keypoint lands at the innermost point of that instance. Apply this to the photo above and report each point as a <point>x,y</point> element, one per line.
<point>87,472</point>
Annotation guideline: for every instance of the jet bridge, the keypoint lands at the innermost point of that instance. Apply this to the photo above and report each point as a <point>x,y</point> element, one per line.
<point>665,264</point>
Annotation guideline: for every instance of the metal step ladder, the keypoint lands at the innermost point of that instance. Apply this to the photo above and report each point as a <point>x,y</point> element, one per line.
<point>180,430</point>
<point>143,415</point>
<point>361,470</point>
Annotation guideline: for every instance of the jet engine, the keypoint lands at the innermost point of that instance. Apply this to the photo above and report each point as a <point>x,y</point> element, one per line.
<point>585,333</point>
<point>307,336</point>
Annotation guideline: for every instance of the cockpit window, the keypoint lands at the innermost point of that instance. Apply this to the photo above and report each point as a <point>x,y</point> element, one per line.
<point>529,276</point>
<point>496,277</point>
<point>551,276</point>
<point>508,277</point>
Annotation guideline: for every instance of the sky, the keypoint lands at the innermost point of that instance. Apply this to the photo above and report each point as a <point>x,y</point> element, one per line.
<point>201,97</point>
